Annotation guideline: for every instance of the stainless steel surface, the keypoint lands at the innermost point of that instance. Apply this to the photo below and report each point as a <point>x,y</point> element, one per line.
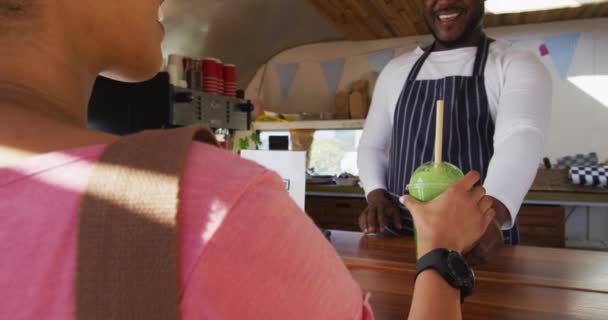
<point>335,194</point>
<point>208,109</point>
<point>568,203</point>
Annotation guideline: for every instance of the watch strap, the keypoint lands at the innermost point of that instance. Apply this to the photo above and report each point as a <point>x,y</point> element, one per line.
<point>438,260</point>
<point>431,260</point>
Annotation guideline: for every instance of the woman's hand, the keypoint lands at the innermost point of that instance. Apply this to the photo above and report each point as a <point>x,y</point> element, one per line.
<point>455,220</point>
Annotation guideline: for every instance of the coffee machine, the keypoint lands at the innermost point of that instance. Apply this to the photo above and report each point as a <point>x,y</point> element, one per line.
<point>123,108</point>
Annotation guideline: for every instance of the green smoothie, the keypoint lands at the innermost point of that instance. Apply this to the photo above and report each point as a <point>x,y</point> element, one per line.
<point>429,181</point>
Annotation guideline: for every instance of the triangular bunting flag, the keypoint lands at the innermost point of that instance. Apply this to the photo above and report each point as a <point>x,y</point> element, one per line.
<point>543,50</point>
<point>332,70</point>
<point>561,49</point>
<point>286,73</point>
<point>379,59</point>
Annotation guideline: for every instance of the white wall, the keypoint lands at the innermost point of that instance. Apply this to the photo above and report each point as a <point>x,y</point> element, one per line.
<point>309,92</point>
<point>579,122</point>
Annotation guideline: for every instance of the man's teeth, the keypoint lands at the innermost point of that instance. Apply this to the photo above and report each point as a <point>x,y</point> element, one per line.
<point>448,16</point>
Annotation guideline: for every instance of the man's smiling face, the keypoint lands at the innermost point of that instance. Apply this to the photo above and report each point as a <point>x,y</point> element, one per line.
<point>453,22</point>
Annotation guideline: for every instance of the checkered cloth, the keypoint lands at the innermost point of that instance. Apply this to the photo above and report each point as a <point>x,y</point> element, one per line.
<point>590,176</point>
<point>579,160</point>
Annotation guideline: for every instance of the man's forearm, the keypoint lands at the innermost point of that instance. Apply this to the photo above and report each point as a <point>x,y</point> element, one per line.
<point>372,165</point>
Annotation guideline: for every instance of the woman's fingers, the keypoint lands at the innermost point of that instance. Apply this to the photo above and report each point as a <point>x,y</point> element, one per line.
<point>410,203</point>
<point>468,181</point>
<point>488,216</point>
<point>414,206</point>
<point>478,193</point>
<point>485,204</point>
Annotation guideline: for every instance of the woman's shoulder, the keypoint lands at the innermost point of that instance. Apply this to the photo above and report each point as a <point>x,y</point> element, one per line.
<point>60,162</point>
<point>209,163</point>
<point>214,176</point>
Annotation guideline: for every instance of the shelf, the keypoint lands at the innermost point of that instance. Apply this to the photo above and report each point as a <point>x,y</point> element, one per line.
<point>315,124</point>
<point>532,198</point>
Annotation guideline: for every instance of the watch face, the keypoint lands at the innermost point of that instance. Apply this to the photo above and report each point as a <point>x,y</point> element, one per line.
<point>460,269</point>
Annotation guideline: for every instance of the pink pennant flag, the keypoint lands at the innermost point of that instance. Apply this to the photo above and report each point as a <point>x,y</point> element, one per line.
<point>543,50</point>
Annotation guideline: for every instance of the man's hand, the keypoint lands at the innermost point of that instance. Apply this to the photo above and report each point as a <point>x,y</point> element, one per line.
<point>379,207</point>
<point>492,240</point>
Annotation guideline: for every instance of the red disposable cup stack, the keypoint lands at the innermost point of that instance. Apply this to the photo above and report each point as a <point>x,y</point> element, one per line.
<point>229,72</point>
<point>210,76</point>
<point>201,75</point>
<point>220,77</point>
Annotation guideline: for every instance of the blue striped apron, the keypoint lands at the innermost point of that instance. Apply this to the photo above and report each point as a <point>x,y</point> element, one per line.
<point>468,127</point>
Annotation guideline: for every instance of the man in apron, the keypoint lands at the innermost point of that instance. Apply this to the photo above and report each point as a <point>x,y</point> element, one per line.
<point>497,108</point>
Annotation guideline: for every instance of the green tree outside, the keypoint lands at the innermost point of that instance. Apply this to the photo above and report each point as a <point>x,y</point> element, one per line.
<point>325,156</point>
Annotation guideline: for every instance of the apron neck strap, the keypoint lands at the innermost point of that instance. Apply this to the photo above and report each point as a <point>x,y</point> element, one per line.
<point>418,65</point>
<point>483,49</point>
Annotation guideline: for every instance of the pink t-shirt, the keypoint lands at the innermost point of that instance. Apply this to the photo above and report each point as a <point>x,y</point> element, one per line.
<point>247,251</point>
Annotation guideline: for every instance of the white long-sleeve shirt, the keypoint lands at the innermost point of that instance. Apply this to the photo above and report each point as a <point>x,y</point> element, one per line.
<point>519,91</point>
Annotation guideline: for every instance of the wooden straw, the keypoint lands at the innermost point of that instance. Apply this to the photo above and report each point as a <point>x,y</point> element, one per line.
<point>439,133</point>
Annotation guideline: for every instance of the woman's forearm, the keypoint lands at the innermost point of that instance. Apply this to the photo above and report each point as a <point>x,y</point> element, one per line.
<point>434,298</point>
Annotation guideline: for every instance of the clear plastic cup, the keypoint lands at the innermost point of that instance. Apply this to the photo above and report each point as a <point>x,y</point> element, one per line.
<point>429,181</point>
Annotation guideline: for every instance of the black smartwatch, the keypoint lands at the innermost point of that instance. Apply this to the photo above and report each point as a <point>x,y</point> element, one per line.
<point>452,266</point>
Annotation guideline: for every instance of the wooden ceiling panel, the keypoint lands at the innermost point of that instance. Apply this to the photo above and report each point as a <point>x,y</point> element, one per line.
<point>371,17</point>
<point>588,11</point>
<point>389,14</point>
<point>378,19</point>
<point>337,16</point>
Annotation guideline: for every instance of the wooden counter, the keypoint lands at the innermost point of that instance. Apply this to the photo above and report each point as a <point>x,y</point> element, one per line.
<point>519,283</point>
<point>542,226</point>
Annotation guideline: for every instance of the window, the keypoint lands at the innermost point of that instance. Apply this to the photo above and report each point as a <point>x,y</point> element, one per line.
<point>335,151</point>
<point>332,151</point>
